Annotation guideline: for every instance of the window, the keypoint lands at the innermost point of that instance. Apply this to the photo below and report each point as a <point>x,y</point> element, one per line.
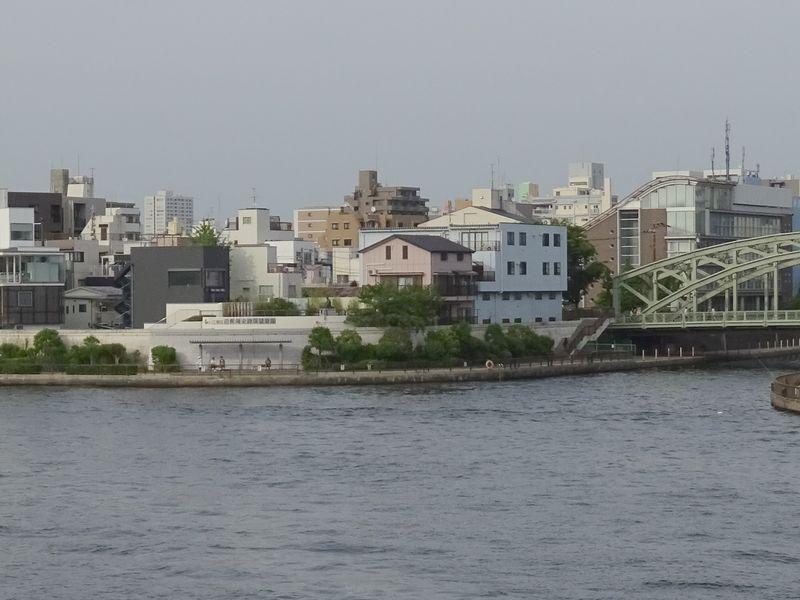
<point>334,242</point>
<point>545,268</point>
<point>346,225</point>
<point>292,291</point>
<point>517,295</point>
<point>76,257</point>
<point>506,320</point>
<point>388,253</point>
<point>348,242</point>
<point>506,296</point>
<point>245,290</point>
<point>55,213</point>
<point>443,256</point>
<point>215,278</point>
<point>405,252</point>
<point>517,320</point>
<point>551,319</point>
<point>21,232</point>
<point>25,299</point>
<point>538,319</point>
<point>510,267</point>
<point>334,226</point>
<point>557,240</point>
<point>523,238</point>
<point>487,321</point>
<point>247,220</point>
<point>486,297</point>
<point>552,295</point>
<point>545,239</point>
<point>523,268</point>
<point>266,291</point>
<point>510,238</point>
<point>103,232</point>
<point>81,308</point>
<point>538,295</point>
<point>475,240</point>
<point>556,268</point>
<point>185,277</point>
<point>460,256</point>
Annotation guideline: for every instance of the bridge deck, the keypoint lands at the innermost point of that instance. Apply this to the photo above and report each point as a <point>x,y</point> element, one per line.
<point>706,320</point>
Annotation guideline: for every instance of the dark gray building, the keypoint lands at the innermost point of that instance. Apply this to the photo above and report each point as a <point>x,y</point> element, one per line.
<point>47,211</point>
<point>176,274</point>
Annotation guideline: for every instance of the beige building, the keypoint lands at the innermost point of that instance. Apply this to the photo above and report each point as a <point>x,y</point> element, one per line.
<point>384,207</point>
<point>328,227</point>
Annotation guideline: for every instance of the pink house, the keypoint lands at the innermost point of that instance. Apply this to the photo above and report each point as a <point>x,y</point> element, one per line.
<point>424,260</point>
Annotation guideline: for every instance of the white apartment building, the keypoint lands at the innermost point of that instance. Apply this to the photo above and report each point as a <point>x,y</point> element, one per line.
<point>586,195</point>
<point>163,207</point>
<point>255,225</point>
<point>119,224</point>
<point>521,266</point>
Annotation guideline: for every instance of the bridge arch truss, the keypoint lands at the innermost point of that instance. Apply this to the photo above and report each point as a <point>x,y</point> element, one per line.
<point>691,280</point>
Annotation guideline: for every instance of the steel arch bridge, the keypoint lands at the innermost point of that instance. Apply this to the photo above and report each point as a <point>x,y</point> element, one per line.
<point>683,284</point>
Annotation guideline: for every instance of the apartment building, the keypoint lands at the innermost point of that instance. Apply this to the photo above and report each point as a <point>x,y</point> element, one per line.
<point>164,206</point>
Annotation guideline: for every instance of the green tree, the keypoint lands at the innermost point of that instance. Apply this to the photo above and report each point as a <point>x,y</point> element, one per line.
<point>277,307</point>
<point>469,345</point>
<point>164,358</point>
<point>48,347</point>
<point>12,351</point>
<point>523,341</point>
<point>382,305</point>
<point>441,344</point>
<point>205,234</point>
<point>628,300</point>
<point>496,343</point>
<point>583,268</point>
<point>321,340</point>
<point>395,344</point>
<point>349,345</point>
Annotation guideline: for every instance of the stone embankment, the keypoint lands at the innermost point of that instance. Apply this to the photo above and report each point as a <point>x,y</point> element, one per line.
<point>785,393</point>
<point>234,378</point>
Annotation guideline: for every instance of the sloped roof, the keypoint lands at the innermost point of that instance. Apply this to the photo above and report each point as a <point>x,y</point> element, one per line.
<point>89,292</point>
<point>430,243</point>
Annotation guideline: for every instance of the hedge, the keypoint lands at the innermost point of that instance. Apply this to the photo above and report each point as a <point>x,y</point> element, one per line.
<point>101,369</point>
<point>19,367</point>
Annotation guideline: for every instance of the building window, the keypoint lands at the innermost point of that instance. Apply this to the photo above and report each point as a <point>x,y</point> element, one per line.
<point>545,239</point>
<point>506,320</point>
<point>517,295</point>
<point>266,291</point>
<point>21,232</point>
<point>182,278</point>
<point>76,257</point>
<point>556,268</point>
<point>405,252</point>
<point>215,278</point>
<point>538,319</point>
<point>486,297</point>
<point>81,308</point>
<point>551,319</point>
<point>523,238</point>
<point>443,256</point>
<point>388,253</point>
<point>518,320</point>
<point>247,220</point>
<point>510,267</point>
<point>25,299</point>
<point>460,256</point>
<point>334,226</point>
<point>348,242</point>
<point>292,291</point>
<point>545,268</point>
<point>346,225</point>
<point>523,268</point>
<point>334,242</point>
<point>487,321</point>
<point>552,295</point>
<point>506,296</point>
<point>538,296</point>
<point>557,240</point>
<point>510,238</point>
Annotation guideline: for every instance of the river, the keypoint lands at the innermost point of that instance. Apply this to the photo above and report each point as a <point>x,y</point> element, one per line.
<point>658,484</point>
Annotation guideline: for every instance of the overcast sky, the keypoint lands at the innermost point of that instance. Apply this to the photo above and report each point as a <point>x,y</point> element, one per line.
<point>293,98</point>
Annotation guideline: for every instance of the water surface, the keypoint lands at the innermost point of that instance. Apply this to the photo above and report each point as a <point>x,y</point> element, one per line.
<point>668,484</point>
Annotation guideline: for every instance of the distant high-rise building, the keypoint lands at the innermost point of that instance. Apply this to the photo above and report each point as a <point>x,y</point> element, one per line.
<point>165,206</point>
<point>386,207</point>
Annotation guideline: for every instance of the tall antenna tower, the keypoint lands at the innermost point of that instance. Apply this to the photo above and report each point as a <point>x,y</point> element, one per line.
<point>743,154</point>
<point>727,150</point>
<point>713,175</point>
<point>253,197</point>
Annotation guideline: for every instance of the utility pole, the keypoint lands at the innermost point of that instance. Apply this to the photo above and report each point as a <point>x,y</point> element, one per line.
<point>727,150</point>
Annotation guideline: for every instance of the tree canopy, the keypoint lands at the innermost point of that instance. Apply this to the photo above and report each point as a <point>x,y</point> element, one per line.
<point>205,234</point>
<point>411,307</point>
<point>583,268</point>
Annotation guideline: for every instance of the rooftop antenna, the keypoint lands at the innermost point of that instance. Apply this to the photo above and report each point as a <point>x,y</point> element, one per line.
<point>743,151</point>
<point>253,197</point>
<point>491,184</point>
<point>79,164</point>
<point>713,175</point>
<point>727,150</point>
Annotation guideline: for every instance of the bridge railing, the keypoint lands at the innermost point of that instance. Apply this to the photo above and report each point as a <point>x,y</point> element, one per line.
<point>714,318</point>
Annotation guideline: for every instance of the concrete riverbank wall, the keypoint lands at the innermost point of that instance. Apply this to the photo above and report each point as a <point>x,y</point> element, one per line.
<point>785,393</point>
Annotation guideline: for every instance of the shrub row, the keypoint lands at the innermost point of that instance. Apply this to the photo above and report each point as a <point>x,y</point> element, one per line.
<point>101,369</point>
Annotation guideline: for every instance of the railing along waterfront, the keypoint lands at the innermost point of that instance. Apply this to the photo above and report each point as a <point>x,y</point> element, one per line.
<point>739,318</point>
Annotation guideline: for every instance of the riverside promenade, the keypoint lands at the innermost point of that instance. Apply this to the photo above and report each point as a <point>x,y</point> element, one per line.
<point>235,378</point>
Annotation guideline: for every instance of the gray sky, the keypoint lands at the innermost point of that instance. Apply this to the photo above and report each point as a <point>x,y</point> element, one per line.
<point>293,98</point>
